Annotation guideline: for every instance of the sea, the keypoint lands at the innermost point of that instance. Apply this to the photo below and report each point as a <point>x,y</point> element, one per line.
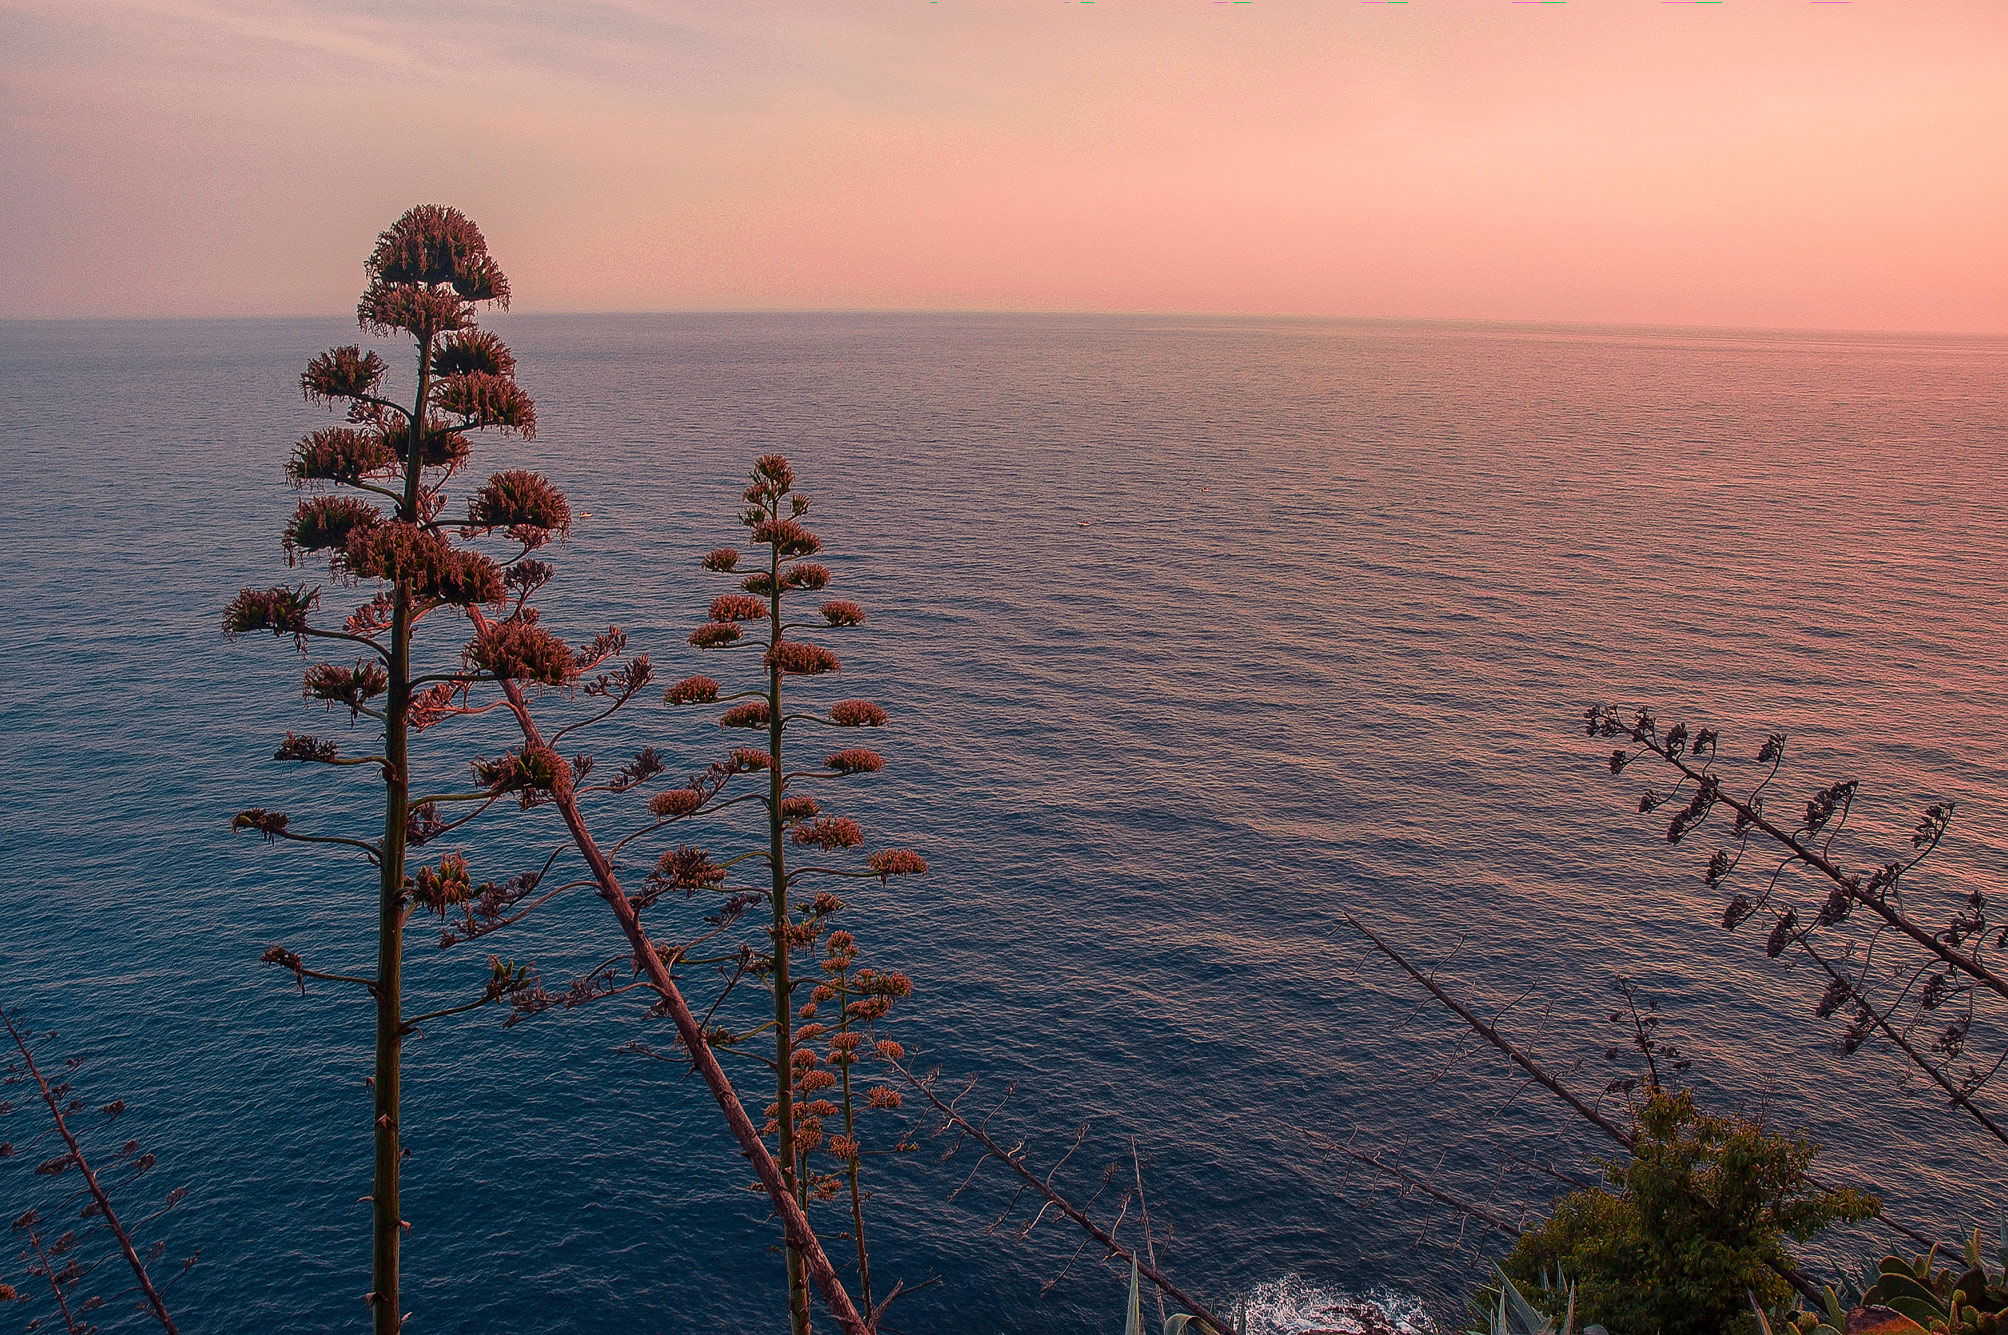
<point>1196,635</point>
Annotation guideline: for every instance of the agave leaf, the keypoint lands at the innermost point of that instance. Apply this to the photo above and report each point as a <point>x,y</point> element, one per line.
<point>1898,1290</point>
<point>1133,1324</point>
<point>1523,1312</point>
<point>1973,1249</point>
<point>1925,1314</point>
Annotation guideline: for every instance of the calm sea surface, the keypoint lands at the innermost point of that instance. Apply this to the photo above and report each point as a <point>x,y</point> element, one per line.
<point>1193,633</point>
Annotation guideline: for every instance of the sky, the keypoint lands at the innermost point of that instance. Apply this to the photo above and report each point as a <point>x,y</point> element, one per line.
<point>1756,163</point>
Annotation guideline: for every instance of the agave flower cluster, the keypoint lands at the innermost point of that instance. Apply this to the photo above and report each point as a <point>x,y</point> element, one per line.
<point>811,1059</point>
<point>858,997</point>
<point>376,516</point>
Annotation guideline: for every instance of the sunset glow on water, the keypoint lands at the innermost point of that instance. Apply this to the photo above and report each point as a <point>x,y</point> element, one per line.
<point>1193,631</point>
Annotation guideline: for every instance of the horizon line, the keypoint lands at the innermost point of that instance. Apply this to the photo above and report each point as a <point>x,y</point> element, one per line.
<point>1482,321</point>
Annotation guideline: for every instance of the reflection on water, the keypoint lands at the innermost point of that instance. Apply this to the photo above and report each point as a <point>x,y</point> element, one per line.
<point>1193,631</point>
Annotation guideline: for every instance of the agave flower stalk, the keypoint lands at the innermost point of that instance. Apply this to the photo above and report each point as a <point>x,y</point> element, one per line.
<point>781,570</point>
<point>376,518</point>
<point>862,997</point>
<point>656,962</point>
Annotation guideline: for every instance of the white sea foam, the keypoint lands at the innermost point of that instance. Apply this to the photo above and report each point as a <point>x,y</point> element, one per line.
<point>1289,1306</point>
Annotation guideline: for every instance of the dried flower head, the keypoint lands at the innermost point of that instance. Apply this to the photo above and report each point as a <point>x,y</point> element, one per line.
<point>774,468</point>
<point>324,522</point>
<point>296,747</point>
<point>802,660</point>
<point>432,243</point>
<point>486,400</point>
<point>840,613</point>
<point>688,868</point>
<point>391,549</point>
<point>893,862</point>
<point>675,802</point>
<point>530,770</point>
<point>721,560</point>
<point>521,650</point>
<point>526,577</point>
<point>467,579</point>
<point>752,714</point>
<point>798,808</point>
<point>473,350</point>
<point>855,760</point>
<point>831,832</point>
<point>737,607</point>
<point>340,454</point>
<point>443,447</point>
<point>751,758</point>
<point>787,537</point>
<point>805,575</point>
<point>354,686</point>
<point>716,634</point>
<point>890,983</point>
<point>342,373</point>
<point>1783,933</point>
<point>522,502</point>
<point>692,691</point>
<point>271,824</point>
<point>281,610</point>
<point>423,312</point>
<point>857,714</point>
<point>883,1096</point>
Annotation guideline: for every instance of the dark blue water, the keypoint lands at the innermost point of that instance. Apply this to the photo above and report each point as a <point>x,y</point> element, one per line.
<point>1193,633</point>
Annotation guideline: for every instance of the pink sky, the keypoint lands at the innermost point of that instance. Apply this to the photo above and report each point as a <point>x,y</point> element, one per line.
<point>1773,163</point>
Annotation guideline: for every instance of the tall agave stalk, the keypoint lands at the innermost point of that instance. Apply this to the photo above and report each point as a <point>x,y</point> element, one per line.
<point>781,571</point>
<point>862,997</point>
<point>377,522</point>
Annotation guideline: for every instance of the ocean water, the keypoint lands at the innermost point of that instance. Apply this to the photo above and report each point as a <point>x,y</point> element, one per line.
<point>1195,633</point>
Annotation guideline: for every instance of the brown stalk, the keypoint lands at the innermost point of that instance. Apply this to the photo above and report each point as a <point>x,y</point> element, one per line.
<point>648,958</point>
<point>154,1304</point>
<point>1807,1289</point>
<point>1014,1160</point>
<point>1970,964</point>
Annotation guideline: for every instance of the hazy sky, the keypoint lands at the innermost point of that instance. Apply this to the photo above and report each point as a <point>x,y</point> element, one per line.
<point>1752,162</point>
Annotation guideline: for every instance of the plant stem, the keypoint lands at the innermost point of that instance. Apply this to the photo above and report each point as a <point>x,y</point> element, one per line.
<point>1015,1161</point>
<point>783,929</point>
<point>650,959</point>
<point>851,1130</point>
<point>155,1306</point>
<point>387,1220</point>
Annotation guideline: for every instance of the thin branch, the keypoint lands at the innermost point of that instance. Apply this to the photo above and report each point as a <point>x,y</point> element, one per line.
<point>1015,1162</point>
<point>156,1307</point>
